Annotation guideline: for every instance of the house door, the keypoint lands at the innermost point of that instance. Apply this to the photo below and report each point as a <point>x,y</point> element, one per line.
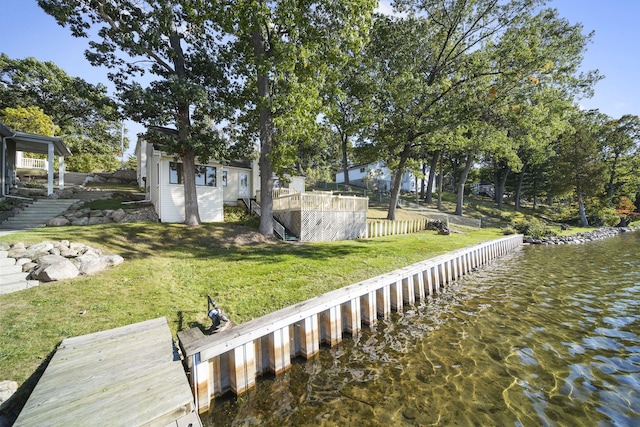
<point>243,182</point>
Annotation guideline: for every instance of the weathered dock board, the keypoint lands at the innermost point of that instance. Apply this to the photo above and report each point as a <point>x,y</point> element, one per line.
<point>232,359</point>
<point>128,376</point>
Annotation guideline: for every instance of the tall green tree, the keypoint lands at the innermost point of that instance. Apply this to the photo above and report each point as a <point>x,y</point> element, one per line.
<point>439,69</point>
<point>30,120</point>
<point>87,117</point>
<point>620,148</point>
<point>283,54</point>
<point>578,165</point>
<point>177,51</point>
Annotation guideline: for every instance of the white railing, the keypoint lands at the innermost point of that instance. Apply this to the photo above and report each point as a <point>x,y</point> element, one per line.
<point>320,202</point>
<point>278,192</point>
<point>27,163</point>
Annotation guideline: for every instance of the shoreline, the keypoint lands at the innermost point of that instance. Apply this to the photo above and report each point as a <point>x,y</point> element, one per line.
<point>579,238</point>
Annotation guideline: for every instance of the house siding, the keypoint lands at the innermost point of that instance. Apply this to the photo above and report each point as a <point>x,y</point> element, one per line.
<point>231,191</point>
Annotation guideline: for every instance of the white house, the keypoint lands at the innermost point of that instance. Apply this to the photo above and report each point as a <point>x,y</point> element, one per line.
<point>217,185</point>
<point>376,175</point>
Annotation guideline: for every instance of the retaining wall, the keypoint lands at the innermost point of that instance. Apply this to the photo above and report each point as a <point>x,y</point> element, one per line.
<point>232,360</point>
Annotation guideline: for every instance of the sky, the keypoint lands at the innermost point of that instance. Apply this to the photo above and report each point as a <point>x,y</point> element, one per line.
<point>614,50</point>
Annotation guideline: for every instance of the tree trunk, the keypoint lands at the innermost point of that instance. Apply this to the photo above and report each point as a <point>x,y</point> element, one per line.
<point>423,184</point>
<point>396,183</point>
<point>583,212</point>
<point>266,137</point>
<point>440,180</point>
<point>519,187</point>
<point>500,183</point>
<point>432,174</point>
<point>612,178</point>
<point>345,156</point>
<point>463,180</point>
<point>191,212</point>
<point>395,193</point>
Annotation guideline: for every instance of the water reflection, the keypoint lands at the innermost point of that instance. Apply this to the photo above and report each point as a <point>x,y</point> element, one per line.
<point>546,336</point>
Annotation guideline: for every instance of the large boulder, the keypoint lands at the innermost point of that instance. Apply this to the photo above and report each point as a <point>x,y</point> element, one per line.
<point>58,221</point>
<point>118,215</point>
<point>60,270</point>
<point>38,250</point>
<point>92,265</point>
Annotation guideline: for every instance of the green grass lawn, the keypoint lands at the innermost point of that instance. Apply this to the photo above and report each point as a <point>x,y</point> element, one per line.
<point>170,268</point>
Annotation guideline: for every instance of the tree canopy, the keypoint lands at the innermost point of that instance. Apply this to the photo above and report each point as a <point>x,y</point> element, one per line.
<point>86,116</point>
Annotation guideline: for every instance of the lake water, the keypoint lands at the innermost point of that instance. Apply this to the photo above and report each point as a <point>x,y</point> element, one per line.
<point>549,335</point>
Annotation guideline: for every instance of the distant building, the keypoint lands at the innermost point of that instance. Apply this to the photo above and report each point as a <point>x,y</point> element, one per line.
<point>377,176</point>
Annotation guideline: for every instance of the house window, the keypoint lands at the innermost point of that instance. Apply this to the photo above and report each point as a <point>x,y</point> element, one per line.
<point>363,170</point>
<point>175,173</point>
<point>206,176</point>
<point>224,178</point>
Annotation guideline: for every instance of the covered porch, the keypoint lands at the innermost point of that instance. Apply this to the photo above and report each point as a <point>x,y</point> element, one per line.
<point>13,142</point>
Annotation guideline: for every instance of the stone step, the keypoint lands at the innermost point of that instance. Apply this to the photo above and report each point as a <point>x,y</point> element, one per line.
<point>14,277</point>
<point>6,270</point>
<point>20,226</point>
<point>34,217</point>
<point>9,287</point>
<point>4,262</point>
<point>37,214</point>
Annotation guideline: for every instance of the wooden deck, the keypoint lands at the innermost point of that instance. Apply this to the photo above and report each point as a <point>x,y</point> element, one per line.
<point>128,376</point>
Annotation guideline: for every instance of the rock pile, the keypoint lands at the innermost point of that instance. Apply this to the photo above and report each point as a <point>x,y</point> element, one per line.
<point>599,234</point>
<point>76,215</point>
<point>125,176</point>
<point>437,225</point>
<point>51,261</point>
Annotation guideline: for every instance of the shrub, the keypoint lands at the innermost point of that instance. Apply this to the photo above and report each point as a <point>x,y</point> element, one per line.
<point>508,230</point>
<point>604,216</point>
<point>534,228</point>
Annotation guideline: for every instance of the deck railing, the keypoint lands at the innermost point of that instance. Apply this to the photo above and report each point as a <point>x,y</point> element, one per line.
<point>320,202</point>
<point>28,163</point>
<point>278,192</point>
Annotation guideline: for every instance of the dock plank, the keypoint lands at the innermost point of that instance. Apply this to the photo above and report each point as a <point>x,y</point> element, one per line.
<point>127,376</point>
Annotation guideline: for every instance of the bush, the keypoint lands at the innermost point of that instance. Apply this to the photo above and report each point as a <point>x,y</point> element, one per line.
<point>533,228</point>
<point>508,230</point>
<point>604,216</point>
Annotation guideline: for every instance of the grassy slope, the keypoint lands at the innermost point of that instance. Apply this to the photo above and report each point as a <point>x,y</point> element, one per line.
<point>170,269</point>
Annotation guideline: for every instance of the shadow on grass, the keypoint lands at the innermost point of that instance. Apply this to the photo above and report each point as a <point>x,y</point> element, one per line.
<point>10,409</point>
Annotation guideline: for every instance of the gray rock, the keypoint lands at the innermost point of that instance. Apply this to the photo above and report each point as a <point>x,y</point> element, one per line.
<point>36,251</point>
<point>48,260</point>
<point>61,270</point>
<point>92,265</point>
<point>23,261</point>
<point>118,215</point>
<point>113,259</point>
<point>68,253</point>
<point>28,266</point>
<point>80,221</point>
<point>95,220</point>
<point>78,247</point>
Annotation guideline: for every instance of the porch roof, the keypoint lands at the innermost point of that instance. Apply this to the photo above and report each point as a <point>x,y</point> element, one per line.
<point>32,143</point>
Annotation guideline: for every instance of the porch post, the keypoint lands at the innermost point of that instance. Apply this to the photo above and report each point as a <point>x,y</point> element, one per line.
<point>61,173</point>
<point>50,157</point>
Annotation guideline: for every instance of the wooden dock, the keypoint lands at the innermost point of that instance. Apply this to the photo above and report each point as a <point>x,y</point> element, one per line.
<point>128,376</point>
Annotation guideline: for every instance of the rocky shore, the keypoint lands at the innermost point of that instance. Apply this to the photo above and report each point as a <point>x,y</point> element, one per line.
<point>574,239</point>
